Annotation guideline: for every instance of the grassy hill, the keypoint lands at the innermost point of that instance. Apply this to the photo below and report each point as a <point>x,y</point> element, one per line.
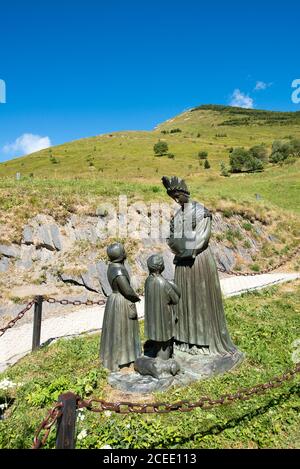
<point>78,175</point>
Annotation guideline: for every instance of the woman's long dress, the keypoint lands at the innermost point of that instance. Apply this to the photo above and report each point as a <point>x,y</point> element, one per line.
<point>200,312</point>
<point>120,339</point>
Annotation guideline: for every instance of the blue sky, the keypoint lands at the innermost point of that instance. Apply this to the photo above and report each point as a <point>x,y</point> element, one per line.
<point>80,68</point>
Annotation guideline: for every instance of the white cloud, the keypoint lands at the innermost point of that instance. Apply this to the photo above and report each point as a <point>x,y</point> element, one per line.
<point>261,85</point>
<point>26,144</point>
<point>239,99</point>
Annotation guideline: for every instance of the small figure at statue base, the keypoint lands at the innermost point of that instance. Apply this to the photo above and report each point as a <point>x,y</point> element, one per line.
<point>156,367</point>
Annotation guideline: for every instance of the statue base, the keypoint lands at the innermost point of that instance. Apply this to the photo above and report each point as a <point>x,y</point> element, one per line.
<point>192,368</point>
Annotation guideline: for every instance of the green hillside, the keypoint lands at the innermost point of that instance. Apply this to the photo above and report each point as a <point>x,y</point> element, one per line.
<point>83,172</point>
<point>129,155</point>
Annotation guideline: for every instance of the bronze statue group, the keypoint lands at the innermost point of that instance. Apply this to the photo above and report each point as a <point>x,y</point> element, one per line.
<point>186,314</point>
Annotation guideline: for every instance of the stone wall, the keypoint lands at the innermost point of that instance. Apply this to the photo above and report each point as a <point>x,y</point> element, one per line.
<point>74,254</point>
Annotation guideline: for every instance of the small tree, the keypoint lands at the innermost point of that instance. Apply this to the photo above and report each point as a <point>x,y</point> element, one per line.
<point>206,164</point>
<point>237,160</point>
<point>242,160</point>
<point>280,151</point>
<point>202,155</point>
<point>160,148</point>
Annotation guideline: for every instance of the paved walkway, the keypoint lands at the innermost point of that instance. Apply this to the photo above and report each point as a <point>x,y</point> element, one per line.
<point>16,342</point>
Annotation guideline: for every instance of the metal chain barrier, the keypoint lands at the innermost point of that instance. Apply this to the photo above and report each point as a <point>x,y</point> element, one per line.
<point>75,302</point>
<point>17,318</point>
<point>51,301</point>
<point>161,407</point>
<point>46,425</point>
<point>265,271</point>
<point>185,406</point>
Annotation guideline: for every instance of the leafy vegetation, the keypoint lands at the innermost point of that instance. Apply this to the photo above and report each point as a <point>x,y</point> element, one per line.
<point>160,148</point>
<point>206,164</point>
<point>265,326</point>
<point>242,160</point>
<point>282,150</point>
<point>246,117</point>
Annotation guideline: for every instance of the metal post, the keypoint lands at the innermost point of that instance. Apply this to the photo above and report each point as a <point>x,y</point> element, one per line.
<point>37,322</point>
<point>65,434</point>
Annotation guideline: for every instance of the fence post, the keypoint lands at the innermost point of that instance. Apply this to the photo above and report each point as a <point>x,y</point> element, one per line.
<point>37,322</point>
<point>65,434</point>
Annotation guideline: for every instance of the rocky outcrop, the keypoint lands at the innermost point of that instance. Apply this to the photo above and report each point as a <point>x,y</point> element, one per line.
<point>74,253</point>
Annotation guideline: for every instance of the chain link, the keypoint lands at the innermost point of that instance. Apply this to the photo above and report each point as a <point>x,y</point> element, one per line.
<point>17,318</point>
<point>75,302</point>
<point>46,425</point>
<point>265,271</point>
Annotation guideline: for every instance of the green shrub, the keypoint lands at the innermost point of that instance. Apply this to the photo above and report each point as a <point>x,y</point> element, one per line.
<point>255,267</point>
<point>277,157</point>
<point>247,226</point>
<point>242,160</point>
<point>282,150</point>
<point>224,171</point>
<point>160,148</point>
<point>202,155</point>
<point>206,164</point>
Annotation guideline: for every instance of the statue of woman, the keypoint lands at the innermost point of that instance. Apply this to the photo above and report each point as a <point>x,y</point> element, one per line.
<point>201,326</point>
<point>120,339</point>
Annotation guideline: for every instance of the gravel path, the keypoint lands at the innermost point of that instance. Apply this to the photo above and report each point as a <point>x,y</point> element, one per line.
<point>16,342</point>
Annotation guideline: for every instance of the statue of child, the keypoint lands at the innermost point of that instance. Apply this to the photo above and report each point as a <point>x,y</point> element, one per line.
<point>160,295</point>
<point>120,338</point>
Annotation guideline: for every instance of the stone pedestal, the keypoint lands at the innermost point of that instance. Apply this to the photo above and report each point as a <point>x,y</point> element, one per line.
<point>192,368</point>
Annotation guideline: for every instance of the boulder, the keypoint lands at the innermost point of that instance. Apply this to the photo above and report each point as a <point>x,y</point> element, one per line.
<point>91,279</point>
<point>27,235</point>
<point>45,238</point>
<point>69,278</point>
<point>55,235</point>
<point>224,257</point>
<point>25,263</point>
<point>9,251</point>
